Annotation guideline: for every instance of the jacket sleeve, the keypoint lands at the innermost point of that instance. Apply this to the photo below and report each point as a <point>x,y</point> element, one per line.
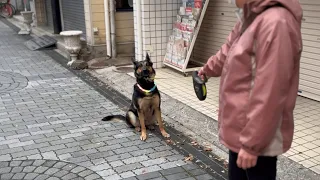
<point>274,71</point>
<point>214,65</point>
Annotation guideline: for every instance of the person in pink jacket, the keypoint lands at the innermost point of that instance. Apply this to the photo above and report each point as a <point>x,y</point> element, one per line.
<point>259,69</point>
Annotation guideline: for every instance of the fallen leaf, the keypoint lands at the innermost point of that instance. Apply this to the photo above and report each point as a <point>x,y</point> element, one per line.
<point>225,164</point>
<point>194,143</point>
<point>189,158</point>
<point>169,141</point>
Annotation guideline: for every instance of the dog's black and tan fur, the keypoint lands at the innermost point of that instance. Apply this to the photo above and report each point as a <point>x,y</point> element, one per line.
<point>145,107</point>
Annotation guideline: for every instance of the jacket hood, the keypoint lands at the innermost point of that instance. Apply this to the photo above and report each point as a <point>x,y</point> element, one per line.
<point>257,6</point>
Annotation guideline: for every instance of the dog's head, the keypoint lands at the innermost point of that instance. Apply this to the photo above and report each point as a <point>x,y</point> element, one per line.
<point>143,70</point>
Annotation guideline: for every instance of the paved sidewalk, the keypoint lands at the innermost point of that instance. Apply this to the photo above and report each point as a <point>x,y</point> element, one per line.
<point>50,126</point>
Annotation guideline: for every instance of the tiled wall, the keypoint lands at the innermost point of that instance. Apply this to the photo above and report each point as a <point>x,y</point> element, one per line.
<point>158,17</point>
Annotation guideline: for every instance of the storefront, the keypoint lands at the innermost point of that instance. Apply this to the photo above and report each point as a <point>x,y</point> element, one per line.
<point>218,21</point>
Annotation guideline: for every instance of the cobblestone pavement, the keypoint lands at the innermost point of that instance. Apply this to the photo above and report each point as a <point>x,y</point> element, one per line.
<point>50,126</point>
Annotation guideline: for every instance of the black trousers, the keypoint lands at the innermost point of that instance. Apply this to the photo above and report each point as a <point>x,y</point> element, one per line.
<point>266,169</point>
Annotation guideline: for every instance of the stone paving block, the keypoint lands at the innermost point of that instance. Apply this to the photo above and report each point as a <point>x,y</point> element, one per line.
<point>147,170</point>
<point>196,172</point>
<point>71,135</point>
<point>116,163</point>
<point>64,156</point>
<point>52,148</point>
<point>19,144</point>
<point>6,157</point>
<point>34,137</point>
<point>19,176</point>
<point>127,174</point>
<point>172,164</point>
<point>38,162</point>
<point>92,177</point>
<point>142,152</point>
<point>83,152</point>
<point>149,176</point>
<point>100,167</point>
<point>49,155</point>
<point>152,162</point>
<point>18,136</point>
<point>106,173</point>
<point>17,169</point>
<point>113,177</point>
<point>172,171</point>
<point>42,132</point>
<point>108,148</point>
<point>42,177</point>
<point>28,169</point>
<point>204,177</point>
<point>117,157</point>
<point>24,153</point>
<point>177,176</point>
<point>5,170</point>
<point>105,154</point>
<point>11,141</point>
<point>128,167</point>
<point>131,178</point>
<point>6,176</point>
<point>136,159</point>
<point>31,176</point>
<point>126,149</point>
<point>67,150</point>
<point>85,173</point>
<point>160,154</point>
<point>77,169</point>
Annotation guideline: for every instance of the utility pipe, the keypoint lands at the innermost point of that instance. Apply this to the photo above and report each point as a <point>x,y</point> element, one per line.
<point>107,25</point>
<point>139,30</point>
<point>113,29</point>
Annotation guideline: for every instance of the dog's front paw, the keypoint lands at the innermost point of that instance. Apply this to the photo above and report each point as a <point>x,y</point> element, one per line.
<point>165,134</point>
<point>143,136</point>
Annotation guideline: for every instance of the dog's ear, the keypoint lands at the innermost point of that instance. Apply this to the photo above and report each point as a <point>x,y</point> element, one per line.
<point>148,57</point>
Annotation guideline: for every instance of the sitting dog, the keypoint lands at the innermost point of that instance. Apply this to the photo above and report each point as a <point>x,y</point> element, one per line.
<point>145,104</point>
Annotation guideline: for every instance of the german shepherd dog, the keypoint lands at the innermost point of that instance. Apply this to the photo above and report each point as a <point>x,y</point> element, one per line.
<point>145,104</point>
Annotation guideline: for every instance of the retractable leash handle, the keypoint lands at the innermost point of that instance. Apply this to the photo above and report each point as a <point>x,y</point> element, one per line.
<point>199,86</point>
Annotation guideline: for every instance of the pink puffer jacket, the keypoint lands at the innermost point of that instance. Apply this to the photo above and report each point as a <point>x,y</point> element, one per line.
<point>259,79</point>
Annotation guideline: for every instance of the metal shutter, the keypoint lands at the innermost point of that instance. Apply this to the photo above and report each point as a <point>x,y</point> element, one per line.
<point>73,15</point>
<point>310,61</point>
<point>49,14</point>
<point>218,22</point>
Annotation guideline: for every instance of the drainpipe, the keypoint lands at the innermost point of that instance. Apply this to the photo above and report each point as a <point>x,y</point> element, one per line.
<point>107,24</point>
<point>113,29</point>
<point>139,30</point>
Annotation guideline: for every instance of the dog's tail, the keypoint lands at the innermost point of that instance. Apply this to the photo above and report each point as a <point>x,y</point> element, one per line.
<point>114,117</point>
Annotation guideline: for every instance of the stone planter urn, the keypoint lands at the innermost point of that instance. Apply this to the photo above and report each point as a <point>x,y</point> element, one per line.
<point>27,20</point>
<point>73,46</point>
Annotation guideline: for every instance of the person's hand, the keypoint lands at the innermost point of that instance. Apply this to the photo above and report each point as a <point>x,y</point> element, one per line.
<point>246,160</point>
<point>201,74</point>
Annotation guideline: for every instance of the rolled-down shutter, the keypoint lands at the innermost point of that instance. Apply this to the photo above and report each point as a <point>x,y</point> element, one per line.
<point>49,14</point>
<point>73,15</point>
<point>310,61</point>
<point>220,19</point>
<point>218,22</point>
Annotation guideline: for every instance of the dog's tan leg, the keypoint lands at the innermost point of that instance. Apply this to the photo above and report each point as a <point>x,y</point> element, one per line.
<point>160,122</point>
<point>143,136</point>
